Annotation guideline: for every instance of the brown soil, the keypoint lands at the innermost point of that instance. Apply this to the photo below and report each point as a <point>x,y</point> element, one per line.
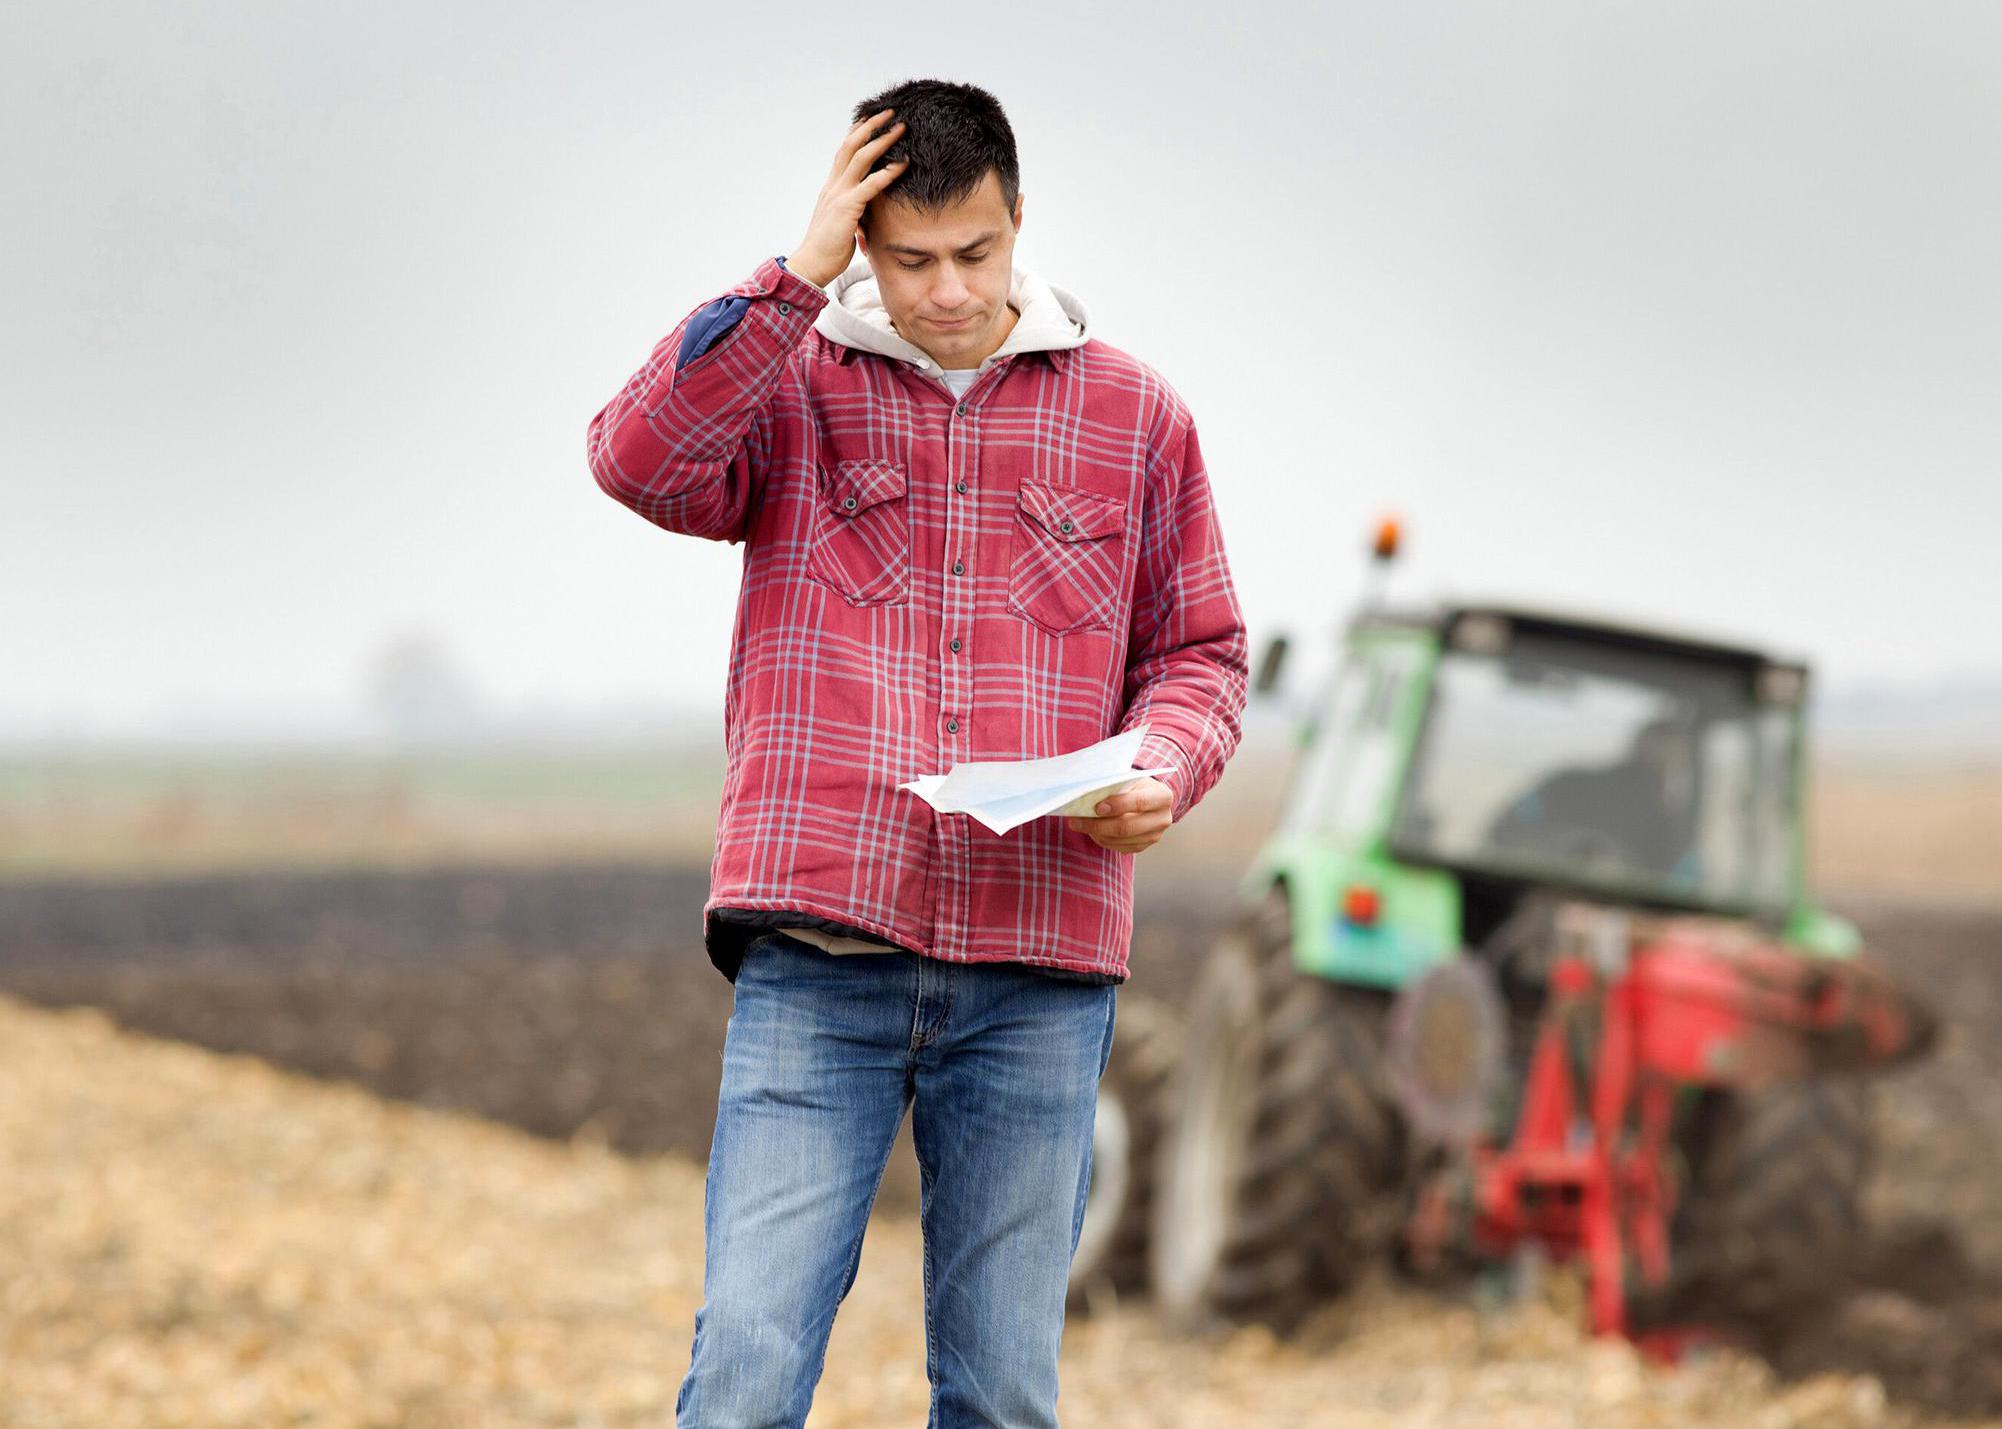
<point>203,1240</point>
<point>575,1003</point>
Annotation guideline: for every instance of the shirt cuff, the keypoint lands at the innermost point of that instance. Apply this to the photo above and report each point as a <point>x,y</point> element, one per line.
<point>1160,749</point>
<point>808,281</point>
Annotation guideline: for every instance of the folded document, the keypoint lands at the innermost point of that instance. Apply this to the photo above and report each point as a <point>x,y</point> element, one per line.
<point>1002,793</point>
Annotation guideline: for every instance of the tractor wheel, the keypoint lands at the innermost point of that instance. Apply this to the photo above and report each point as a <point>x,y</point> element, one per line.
<point>1132,1110</point>
<point>1771,1218</point>
<point>1281,1171</point>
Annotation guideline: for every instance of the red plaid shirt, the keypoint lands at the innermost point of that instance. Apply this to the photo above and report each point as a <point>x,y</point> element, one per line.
<point>1019,573</point>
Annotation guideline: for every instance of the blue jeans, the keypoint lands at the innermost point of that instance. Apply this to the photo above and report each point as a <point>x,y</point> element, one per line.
<point>824,1054</point>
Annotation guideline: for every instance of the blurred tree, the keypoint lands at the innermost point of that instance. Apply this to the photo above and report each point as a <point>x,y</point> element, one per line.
<point>417,692</point>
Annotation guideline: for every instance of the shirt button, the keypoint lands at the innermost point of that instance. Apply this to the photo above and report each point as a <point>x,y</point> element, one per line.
<point>952,726</point>
<point>849,504</point>
<point>959,486</point>
<point>959,568</point>
<point>962,409</point>
<point>1064,525</point>
<point>955,644</point>
<point>785,307</point>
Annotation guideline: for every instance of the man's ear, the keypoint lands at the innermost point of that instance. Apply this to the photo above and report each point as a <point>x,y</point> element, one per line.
<point>1017,215</point>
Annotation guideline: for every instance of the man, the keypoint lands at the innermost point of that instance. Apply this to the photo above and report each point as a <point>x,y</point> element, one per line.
<point>1639,810</point>
<point>971,531</point>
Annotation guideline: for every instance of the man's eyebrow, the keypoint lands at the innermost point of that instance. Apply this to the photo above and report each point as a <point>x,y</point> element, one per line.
<point>982,240</point>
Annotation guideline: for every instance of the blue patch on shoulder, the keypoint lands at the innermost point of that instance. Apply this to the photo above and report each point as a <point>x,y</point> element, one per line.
<point>708,325</point>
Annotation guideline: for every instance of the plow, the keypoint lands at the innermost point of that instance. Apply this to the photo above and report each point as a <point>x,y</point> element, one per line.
<point>1642,1019</point>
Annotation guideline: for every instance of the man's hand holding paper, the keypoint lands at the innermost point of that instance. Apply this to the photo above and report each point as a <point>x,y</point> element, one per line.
<point>1119,806</point>
<point>1132,819</point>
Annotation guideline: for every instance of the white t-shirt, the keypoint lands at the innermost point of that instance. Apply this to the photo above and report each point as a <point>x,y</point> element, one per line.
<point>834,943</point>
<point>959,378</point>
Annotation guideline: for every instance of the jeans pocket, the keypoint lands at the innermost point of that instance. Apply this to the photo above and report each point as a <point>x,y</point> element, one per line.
<point>1069,557</point>
<point>862,532</point>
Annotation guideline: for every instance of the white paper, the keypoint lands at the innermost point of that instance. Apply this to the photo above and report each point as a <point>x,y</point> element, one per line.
<point>1005,793</point>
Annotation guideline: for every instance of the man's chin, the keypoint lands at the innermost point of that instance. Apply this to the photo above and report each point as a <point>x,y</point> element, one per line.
<point>954,342</point>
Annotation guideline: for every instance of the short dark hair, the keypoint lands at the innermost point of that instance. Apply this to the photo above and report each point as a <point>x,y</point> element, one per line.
<point>953,134</point>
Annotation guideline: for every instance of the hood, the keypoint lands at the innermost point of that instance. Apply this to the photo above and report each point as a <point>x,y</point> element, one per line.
<point>855,317</point>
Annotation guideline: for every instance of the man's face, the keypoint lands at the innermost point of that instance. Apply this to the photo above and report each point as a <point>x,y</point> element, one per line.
<point>1665,751</point>
<point>933,269</point>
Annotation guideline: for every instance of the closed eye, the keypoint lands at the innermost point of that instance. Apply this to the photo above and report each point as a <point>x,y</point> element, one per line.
<point>913,267</point>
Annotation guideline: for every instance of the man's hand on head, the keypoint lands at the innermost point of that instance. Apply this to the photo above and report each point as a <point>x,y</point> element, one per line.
<point>1131,820</point>
<point>823,255</point>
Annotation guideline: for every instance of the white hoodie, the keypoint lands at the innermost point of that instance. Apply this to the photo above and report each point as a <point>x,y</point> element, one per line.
<point>1048,317</point>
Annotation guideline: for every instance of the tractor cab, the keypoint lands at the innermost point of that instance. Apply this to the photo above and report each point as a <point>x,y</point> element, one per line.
<point>1463,756</point>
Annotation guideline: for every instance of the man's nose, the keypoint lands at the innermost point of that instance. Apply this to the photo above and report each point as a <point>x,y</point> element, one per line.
<point>951,293</point>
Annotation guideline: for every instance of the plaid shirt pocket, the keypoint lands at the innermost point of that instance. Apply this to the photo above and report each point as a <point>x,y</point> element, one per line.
<point>1069,553</point>
<point>862,532</point>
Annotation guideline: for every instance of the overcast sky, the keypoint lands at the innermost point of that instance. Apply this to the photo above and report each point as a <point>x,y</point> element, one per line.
<point>1691,312</point>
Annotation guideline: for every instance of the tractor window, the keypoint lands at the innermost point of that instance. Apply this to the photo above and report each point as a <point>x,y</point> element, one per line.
<point>1347,779</point>
<point>1327,756</point>
<point>1748,782</point>
<point>1648,773</point>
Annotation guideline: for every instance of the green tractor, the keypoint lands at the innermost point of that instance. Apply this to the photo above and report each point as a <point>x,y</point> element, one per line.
<point>1529,962</point>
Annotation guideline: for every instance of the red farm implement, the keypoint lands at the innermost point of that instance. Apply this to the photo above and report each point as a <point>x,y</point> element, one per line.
<point>1642,1018</point>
